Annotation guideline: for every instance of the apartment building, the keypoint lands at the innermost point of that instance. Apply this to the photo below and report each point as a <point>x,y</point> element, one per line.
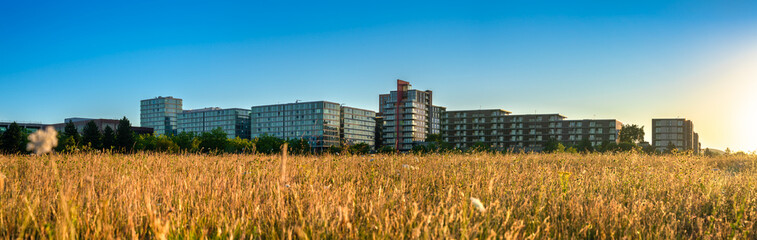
<point>464,128</point>
<point>500,130</point>
<point>318,122</point>
<point>160,114</point>
<point>597,131</point>
<point>357,126</point>
<point>235,122</point>
<point>409,116</point>
<point>678,131</point>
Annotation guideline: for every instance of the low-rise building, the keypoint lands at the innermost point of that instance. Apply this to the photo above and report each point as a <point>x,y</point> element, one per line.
<point>498,129</point>
<point>101,123</point>
<point>30,127</point>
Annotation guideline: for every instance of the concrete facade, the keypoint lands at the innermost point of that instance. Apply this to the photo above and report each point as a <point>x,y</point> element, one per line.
<point>498,129</point>
<point>678,131</point>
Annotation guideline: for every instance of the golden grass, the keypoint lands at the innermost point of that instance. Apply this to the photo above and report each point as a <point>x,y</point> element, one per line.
<point>564,196</point>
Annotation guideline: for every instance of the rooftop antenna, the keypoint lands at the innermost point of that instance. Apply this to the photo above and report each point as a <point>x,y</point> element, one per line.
<point>297,101</point>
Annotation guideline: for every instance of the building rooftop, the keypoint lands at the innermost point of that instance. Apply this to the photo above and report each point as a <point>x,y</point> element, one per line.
<point>501,110</point>
<point>297,102</point>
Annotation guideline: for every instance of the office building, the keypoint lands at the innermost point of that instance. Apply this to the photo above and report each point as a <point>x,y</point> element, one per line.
<point>409,116</point>
<point>498,129</point>
<point>358,126</point>
<point>160,114</point>
<point>318,122</point>
<point>678,131</point>
<point>235,122</point>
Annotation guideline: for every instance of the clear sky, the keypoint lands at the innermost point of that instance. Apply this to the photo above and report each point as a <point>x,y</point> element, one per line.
<point>631,61</point>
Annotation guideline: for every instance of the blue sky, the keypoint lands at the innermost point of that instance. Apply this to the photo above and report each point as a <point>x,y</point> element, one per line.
<point>631,60</point>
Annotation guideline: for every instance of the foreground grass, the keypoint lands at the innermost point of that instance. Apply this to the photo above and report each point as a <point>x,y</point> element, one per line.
<point>391,197</point>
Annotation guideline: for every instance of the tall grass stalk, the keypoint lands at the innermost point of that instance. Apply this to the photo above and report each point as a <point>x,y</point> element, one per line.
<point>558,196</point>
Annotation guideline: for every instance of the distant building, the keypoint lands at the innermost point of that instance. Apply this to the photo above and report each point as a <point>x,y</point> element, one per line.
<point>463,129</point>
<point>160,113</point>
<point>235,122</point>
<point>318,122</point>
<point>30,127</point>
<point>358,126</point>
<point>597,131</point>
<point>409,116</point>
<point>101,123</point>
<point>678,131</point>
<point>497,129</point>
<point>379,132</point>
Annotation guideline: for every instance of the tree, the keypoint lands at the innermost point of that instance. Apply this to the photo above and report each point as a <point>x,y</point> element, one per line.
<point>632,133</point>
<point>239,145</point>
<point>609,146</point>
<point>335,149</point>
<point>213,141</point>
<point>164,144</point>
<point>91,135</point>
<point>360,148</point>
<point>671,148</point>
<point>708,152</point>
<point>386,150</point>
<point>298,146</point>
<point>479,147</point>
<point>12,140</point>
<point>419,149</point>
<point>435,143</point>
<point>584,146</point>
<point>571,150</point>
<point>437,138</point>
<point>124,135</point>
<point>268,144</point>
<point>187,141</point>
<point>70,131</point>
<point>551,145</point>
<point>108,138</point>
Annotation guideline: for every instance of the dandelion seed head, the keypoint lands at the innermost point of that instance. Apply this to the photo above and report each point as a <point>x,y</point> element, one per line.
<point>43,141</point>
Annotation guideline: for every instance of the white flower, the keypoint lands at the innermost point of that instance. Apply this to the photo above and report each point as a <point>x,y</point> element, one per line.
<point>42,141</point>
<point>477,204</point>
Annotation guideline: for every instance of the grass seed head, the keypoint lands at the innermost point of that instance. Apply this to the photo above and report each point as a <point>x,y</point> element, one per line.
<point>478,205</point>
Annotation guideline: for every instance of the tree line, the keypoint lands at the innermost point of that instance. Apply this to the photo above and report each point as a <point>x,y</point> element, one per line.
<point>124,140</point>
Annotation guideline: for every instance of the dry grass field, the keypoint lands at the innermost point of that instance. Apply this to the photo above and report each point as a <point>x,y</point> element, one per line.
<point>522,196</point>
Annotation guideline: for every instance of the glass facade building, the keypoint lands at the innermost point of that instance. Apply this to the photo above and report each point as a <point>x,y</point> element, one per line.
<point>160,114</point>
<point>358,126</point>
<point>318,122</point>
<point>235,122</point>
